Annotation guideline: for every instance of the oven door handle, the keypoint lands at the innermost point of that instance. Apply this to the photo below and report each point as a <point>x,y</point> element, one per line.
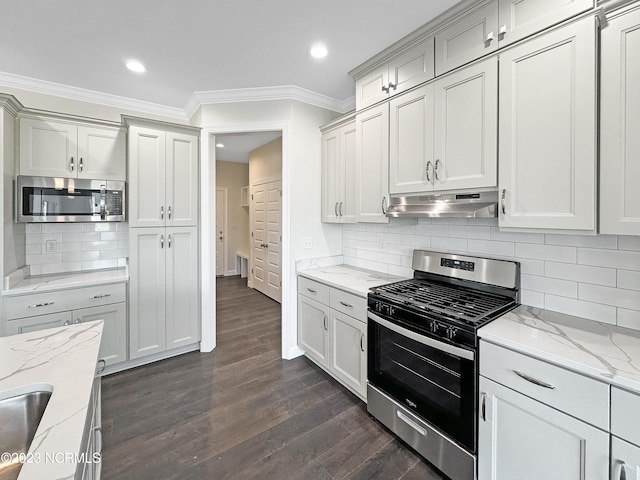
<point>445,347</point>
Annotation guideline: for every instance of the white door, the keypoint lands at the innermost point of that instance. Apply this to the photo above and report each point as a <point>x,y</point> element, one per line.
<point>521,438</point>
<point>221,213</point>
<point>181,179</point>
<point>313,329</point>
<point>101,153</point>
<point>547,130</point>
<point>48,148</point>
<point>267,239</point>
<point>348,351</point>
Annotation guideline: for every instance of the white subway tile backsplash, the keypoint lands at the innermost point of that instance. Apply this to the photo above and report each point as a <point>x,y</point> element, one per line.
<point>70,247</point>
<point>628,243</point>
<point>448,243</point>
<point>99,245</point>
<point>80,256</point>
<point>34,249</point>
<point>98,227</point>
<point>475,232</point>
<point>98,264</point>
<point>535,299</point>
<point>81,237</point>
<point>33,228</point>
<point>400,271</point>
<point>389,259</point>
<point>492,248</point>
<point>590,241</point>
<point>433,230</point>
<point>563,288</point>
<point>629,318</point>
<point>64,267</point>
<point>546,252</point>
<point>580,308</point>
<point>109,254</point>
<point>617,297</point>
<point>44,258</point>
<point>531,267</point>
<point>581,273</point>
<point>629,280</point>
<point>496,234</point>
<point>609,258</point>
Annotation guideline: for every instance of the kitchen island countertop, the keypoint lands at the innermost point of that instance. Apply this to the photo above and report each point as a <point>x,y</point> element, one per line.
<point>606,352</point>
<point>350,279</point>
<point>62,359</point>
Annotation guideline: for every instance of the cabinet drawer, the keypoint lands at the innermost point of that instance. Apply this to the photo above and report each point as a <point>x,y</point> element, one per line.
<point>570,392</point>
<point>625,415</point>
<point>350,304</point>
<point>59,301</point>
<point>312,289</point>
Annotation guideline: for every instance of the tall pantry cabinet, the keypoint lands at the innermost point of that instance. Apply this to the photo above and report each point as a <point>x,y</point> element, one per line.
<point>163,216</point>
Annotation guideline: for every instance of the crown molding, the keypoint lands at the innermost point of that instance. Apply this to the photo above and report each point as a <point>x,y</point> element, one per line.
<point>284,92</point>
<point>83,95</point>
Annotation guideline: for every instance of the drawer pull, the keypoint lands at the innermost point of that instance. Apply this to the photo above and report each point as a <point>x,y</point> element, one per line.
<point>535,381</point>
<point>100,366</point>
<point>346,305</point>
<point>100,296</point>
<point>312,290</point>
<point>36,305</point>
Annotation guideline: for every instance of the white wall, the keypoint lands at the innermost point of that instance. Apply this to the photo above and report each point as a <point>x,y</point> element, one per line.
<point>233,176</point>
<point>595,277</point>
<point>265,162</point>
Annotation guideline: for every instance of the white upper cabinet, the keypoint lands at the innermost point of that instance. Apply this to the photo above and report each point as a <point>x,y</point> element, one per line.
<point>372,164</point>
<point>338,174</point>
<point>404,71</point>
<point>496,25</point>
<point>466,128</point>
<point>163,178</point>
<point>443,136</point>
<point>55,148</point>
<point>547,130</point>
<point>620,125</point>
<point>411,141</point>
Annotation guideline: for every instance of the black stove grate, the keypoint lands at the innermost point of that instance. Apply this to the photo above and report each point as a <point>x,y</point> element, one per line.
<point>458,302</point>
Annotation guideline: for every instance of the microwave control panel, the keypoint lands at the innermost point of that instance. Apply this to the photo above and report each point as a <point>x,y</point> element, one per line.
<point>114,202</point>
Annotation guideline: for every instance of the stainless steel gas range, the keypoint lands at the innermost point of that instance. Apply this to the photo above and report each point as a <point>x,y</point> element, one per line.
<point>423,352</point>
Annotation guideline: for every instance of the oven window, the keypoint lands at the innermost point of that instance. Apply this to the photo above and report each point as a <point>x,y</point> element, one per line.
<point>438,386</point>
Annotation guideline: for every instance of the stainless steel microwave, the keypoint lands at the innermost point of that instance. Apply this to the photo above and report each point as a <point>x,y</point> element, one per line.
<point>48,199</point>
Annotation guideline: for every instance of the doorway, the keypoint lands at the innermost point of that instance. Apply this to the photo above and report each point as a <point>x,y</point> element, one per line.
<point>221,222</point>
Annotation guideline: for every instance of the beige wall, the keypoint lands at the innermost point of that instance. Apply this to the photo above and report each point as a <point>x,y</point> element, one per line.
<point>233,176</point>
<point>265,162</point>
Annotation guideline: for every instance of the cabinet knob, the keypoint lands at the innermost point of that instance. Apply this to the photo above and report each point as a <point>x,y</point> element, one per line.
<point>77,321</point>
<point>169,211</point>
<point>385,89</point>
<point>392,85</point>
<point>623,471</point>
<point>161,241</point>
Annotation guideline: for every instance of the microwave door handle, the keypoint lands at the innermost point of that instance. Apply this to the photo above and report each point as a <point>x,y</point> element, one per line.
<point>103,203</point>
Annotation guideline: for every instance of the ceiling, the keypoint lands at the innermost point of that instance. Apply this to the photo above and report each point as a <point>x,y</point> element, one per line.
<point>237,146</point>
<point>198,45</point>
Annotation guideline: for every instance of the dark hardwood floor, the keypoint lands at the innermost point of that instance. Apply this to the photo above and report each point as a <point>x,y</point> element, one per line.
<point>242,412</point>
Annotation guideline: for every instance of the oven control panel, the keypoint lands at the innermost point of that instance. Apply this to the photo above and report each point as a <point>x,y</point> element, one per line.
<point>457,264</point>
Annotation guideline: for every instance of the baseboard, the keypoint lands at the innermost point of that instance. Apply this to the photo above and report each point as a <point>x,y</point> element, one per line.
<point>138,362</point>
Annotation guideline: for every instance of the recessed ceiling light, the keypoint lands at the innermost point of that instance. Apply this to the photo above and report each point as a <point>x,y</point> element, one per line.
<point>220,145</point>
<point>318,50</point>
<point>136,67</point>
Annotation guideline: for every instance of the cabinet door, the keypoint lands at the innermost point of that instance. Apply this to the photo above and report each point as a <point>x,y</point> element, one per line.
<point>182,180</point>
<point>113,346</point>
<point>468,38</point>
<point>411,68</point>
<point>347,207</point>
<point>147,330</point>
<point>348,356</point>
<point>466,128</point>
<point>182,312</point>
<point>41,322</point>
<point>101,153</point>
<point>619,125</point>
<point>521,438</point>
<point>547,128</point>
<point>313,329</point>
<point>411,141</point>
<point>520,18</point>
<point>625,460</point>
<point>147,205</point>
<point>331,176</point>
<point>372,165</point>
<point>48,148</point>
<point>371,88</point>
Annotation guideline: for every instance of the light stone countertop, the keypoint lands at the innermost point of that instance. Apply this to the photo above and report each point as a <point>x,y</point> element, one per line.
<point>605,352</point>
<point>63,358</point>
<point>350,279</point>
<point>45,283</point>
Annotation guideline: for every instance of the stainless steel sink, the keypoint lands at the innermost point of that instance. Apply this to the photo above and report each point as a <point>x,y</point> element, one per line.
<point>19,419</point>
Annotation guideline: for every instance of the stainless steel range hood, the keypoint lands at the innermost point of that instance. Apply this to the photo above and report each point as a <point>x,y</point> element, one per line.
<point>483,204</point>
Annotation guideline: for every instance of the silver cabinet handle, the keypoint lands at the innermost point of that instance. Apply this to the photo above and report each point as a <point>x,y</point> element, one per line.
<point>77,321</point>
<point>169,240</point>
<point>489,36</point>
<point>38,305</point>
<point>344,304</point>
<point>161,213</point>
<point>335,209</point>
<point>72,164</point>
<point>383,204</point>
<point>535,381</point>
<point>312,290</point>
<point>326,323</point>
<point>385,89</point>
<point>436,168</point>
<point>427,169</point>
<point>101,366</point>
<point>392,85</point>
<point>98,430</point>
<point>503,30</point>
<point>161,241</point>
<point>81,165</point>
<point>362,342</point>
<point>104,295</point>
<point>169,211</point>
<point>483,407</point>
<point>411,423</point>
<point>503,201</point>
<point>68,322</point>
<point>623,471</point>
<point>340,208</point>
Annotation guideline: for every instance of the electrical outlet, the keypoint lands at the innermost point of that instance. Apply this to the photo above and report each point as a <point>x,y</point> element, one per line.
<point>307,243</point>
<point>51,246</point>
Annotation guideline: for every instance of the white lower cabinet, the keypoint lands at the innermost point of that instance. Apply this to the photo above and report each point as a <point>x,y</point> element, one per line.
<point>625,435</point>
<point>332,330</point>
<point>625,460</point>
<point>519,437</point>
<point>163,309</point>
<point>90,459</point>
